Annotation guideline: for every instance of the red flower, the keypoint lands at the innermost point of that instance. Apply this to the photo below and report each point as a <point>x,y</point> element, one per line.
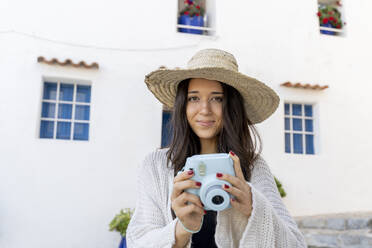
<point>330,13</point>
<point>319,14</point>
<point>338,26</point>
<point>197,6</point>
<point>197,14</point>
<point>332,18</point>
<point>325,21</point>
<point>186,13</point>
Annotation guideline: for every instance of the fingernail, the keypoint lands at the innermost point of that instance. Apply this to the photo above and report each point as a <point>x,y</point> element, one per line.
<point>190,172</point>
<point>232,153</point>
<point>205,212</point>
<point>226,186</point>
<point>219,174</point>
<point>198,183</point>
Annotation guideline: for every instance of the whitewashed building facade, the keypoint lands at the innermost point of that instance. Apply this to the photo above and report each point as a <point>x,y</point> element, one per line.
<point>62,192</point>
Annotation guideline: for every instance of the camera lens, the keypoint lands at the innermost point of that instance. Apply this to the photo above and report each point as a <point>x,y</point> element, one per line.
<point>217,199</point>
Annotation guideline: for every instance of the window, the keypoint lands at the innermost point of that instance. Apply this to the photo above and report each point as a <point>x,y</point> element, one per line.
<point>299,128</point>
<point>196,17</point>
<point>65,111</point>
<point>166,130</point>
<point>331,17</point>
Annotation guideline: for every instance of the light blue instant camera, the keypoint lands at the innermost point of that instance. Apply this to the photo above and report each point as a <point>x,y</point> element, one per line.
<point>205,168</point>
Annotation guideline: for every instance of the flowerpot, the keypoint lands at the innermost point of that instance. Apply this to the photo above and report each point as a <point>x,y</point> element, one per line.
<point>191,21</point>
<point>123,243</point>
<point>328,25</point>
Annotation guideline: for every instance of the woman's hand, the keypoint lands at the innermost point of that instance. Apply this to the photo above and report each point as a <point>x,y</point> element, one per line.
<point>190,214</point>
<point>240,189</point>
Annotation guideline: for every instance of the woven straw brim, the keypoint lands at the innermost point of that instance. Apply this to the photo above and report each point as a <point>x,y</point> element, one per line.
<point>260,100</point>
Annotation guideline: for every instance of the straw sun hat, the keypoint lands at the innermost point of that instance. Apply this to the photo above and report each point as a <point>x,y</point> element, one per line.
<point>260,101</point>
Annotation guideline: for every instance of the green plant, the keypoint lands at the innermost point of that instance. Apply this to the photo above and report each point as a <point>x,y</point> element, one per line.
<point>280,187</point>
<point>329,14</point>
<point>192,8</point>
<point>121,221</point>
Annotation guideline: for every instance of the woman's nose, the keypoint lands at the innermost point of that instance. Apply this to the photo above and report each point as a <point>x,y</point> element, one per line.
<point>205,107</point>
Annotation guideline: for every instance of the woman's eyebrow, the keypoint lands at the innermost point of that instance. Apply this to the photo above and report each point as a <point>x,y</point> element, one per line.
<point>213,92</point>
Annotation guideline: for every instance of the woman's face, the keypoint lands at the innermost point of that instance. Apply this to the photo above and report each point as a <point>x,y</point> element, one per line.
<point>204,107</point>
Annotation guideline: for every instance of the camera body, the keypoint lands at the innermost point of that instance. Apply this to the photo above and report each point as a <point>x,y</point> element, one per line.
<point>205,168</point>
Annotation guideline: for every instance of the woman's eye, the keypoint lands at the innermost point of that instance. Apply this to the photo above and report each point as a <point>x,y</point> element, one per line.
<point>192,98</point>
<point>217,99</point>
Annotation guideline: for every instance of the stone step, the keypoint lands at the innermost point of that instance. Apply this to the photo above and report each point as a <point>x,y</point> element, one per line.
<point>347,221</point>
<point>345,230</point>
<point>324,238</point>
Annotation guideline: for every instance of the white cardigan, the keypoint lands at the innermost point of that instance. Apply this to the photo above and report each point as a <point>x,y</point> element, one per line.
<point>152,225</point>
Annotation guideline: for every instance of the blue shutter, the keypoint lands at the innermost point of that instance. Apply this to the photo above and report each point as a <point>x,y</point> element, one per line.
<point>309,125</point>
<point>66,92</point>
<point>309,144</point>
<point>286,109</point>
<point>48,110</point>
<point>83,93</point>
<point>50,91</point>
<point>63,130</point>
<point>297,124</point>
<point>297,109</point>
<point>308,110</point>
<point>81,131</point>
<point>166,130</point>
<point>65,111</point>
<point>46,129</point>
<point>287,143</point>
<point>82,112</point>
<point>287,124</point>
<point>297,143</point>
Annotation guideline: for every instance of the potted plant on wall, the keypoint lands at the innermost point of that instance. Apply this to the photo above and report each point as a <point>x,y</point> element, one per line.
<point>192,14</point>
<point>329,16</point>
<point>120,224</point>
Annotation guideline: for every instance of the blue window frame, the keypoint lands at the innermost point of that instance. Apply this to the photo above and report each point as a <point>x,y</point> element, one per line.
<point>299,128</point>
<point>65,111</point>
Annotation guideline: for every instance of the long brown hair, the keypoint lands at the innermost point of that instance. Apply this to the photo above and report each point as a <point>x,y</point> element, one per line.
<point>237,134</point>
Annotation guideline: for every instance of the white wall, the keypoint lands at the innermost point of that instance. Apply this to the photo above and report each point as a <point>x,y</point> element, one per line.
<point>57,193</point>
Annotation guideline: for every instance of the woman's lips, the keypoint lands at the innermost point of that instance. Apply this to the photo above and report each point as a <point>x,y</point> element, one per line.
<point>205,123</point>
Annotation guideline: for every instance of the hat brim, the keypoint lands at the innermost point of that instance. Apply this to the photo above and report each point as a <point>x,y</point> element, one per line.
<point>260,100</point>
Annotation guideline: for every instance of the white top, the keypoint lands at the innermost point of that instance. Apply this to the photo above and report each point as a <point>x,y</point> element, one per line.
<point>152,225</point>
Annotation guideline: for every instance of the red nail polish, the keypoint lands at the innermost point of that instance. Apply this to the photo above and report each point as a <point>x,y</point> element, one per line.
<point>232,153</point>
<point>190,172</point>
<point>219,174</point>
<point>205,212</point>
<point>226,186</point>
<point>198,183</point>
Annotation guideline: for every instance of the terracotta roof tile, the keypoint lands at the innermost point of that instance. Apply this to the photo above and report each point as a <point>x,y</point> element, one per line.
<point>304,86</point>
<point>54,61</point>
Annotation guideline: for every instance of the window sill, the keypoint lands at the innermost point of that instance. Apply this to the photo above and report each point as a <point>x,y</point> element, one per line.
<point>332,31</point>
<point>211,31</point>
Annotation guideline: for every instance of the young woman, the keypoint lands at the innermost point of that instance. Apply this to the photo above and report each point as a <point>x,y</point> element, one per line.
<point>214,109</point>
